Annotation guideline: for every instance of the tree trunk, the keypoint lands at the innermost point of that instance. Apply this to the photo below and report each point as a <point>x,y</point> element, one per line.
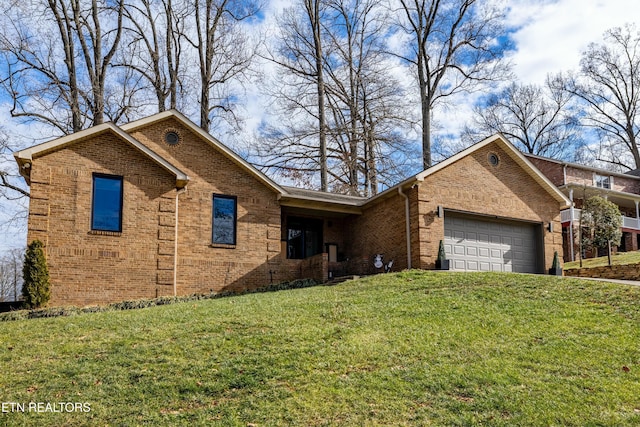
<point>313,9</point>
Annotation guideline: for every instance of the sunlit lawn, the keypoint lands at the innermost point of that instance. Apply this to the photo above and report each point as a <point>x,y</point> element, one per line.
<point>412,348</point>
<point>620,258</point>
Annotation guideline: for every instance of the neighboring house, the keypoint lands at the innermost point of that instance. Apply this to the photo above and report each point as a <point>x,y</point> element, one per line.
<point>160,207</point>
<point>579,182</point>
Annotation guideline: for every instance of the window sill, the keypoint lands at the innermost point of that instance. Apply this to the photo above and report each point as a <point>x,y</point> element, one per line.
<point>222,246</point>
<point>105,233</point>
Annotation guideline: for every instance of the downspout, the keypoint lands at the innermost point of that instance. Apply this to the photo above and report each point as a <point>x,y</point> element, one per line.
<point>571,224</point>
<point>637,216</point>
<point>407,226</point>
<point>175,245</point>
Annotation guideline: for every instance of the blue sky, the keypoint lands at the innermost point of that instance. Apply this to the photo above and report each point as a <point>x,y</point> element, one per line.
<point>548,37</point>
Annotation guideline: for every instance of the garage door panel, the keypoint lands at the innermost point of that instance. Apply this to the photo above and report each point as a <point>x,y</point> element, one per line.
<point>459,264</point>
<point>478,244</point>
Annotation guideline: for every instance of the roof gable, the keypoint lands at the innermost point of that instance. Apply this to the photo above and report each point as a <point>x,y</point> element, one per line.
<point>507,147</point>
<point>209,139</point>
<point>26,156</point>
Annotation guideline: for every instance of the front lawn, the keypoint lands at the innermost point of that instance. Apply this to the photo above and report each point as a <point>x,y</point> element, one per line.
<point>413,348</point>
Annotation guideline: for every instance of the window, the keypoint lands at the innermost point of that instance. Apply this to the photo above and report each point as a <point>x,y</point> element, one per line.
<point>172,137</point>
<point>602,181</point>
<point>106,207</point>
<point>304,237</point>
<point>224,220</point>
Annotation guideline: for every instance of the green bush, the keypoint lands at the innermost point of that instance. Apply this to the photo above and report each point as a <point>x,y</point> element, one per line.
<point>36,290</point>
<point>442,255</point>
<point>556,261</point>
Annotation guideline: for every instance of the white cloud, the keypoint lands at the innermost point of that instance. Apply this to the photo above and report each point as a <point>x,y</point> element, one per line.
<point>553,34</point>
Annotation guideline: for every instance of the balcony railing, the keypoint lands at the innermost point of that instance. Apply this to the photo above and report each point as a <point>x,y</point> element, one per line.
<point>627,222</point>
<point>565,216</point>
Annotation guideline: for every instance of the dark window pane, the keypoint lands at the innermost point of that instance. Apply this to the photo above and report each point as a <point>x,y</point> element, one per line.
<point>224,220</point>
<point>304,237</point>
<point>107,203</point>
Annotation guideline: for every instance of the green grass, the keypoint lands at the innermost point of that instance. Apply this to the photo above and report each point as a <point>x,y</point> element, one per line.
<point>620,258</point>
<point>412,348</point>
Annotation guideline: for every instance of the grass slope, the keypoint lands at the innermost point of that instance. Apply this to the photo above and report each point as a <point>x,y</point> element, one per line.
<point>620,258</point>
<point>412,348</point>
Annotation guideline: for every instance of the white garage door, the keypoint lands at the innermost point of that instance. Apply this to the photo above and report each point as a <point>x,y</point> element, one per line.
<point>474,244</point>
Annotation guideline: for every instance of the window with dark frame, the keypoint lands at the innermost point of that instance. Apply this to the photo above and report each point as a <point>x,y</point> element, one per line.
<point>106,206</point>
<point>225,218</point>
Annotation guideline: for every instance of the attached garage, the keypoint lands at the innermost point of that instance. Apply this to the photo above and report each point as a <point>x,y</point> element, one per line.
<point>476,243</point>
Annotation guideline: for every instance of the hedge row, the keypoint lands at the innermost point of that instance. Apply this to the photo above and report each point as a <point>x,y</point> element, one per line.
<point>144,303</point>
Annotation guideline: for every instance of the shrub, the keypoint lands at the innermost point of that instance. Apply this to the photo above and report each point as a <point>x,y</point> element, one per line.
<point>36,290</point>
<point>442,255</point>
<point>556,261</point>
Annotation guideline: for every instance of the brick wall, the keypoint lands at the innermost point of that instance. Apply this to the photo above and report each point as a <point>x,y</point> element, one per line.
<point>622,272</point>
<point>379,230</point>
<point>89,268</point>
<point>552,170</point>
<point>574,175</point>
<point>203,267</point>
<point>469,185</point>
<point>473,185</point>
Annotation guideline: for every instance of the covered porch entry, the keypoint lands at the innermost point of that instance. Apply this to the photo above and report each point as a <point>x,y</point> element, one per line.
<point>314,237</point>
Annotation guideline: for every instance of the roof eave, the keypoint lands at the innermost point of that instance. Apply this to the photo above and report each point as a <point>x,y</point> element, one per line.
<point>26,156</point>
<point>320,205</point>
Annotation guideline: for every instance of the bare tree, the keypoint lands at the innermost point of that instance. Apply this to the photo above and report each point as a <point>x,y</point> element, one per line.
<point>61,80</point>
<point>153,46</point>
<point>10,188</point>
<point>224,53</point>
<point>98,46</point>
<point>366,104</point>
<point>538,120</point>
<point>452,48</point>
<point>608,84</point>
<point>300,87</point>
<point>356,107</point>
<point>11,275</point>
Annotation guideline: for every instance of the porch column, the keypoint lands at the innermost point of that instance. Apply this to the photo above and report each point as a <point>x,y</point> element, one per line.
<point>573,258</point>
<point>634,236</point>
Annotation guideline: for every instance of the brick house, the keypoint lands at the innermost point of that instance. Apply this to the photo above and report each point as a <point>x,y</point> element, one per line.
<point>579,182</point>
<point>160,207</point>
